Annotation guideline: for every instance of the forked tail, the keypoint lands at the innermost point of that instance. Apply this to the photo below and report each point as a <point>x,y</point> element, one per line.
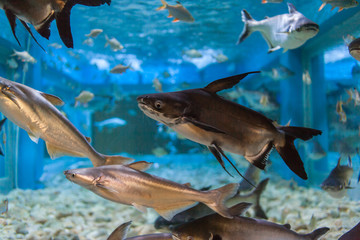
<point>215,199</point>
<point>246,18</point>
<point>288,151</point>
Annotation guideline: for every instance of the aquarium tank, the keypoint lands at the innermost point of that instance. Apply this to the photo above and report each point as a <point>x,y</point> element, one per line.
<point>113,124</point>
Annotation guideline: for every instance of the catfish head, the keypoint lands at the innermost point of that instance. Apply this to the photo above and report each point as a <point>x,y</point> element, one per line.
<point>167,108</point>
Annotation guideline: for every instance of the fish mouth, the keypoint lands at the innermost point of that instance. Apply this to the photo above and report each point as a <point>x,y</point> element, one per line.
<point>331,188</point>
<point>309,27</point>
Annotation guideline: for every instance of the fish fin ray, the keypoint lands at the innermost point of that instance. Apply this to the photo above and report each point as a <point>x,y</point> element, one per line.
<point>259,160</point>
<point>140,166</point>
<point>217,155</point>
<point>44,30</point>
<point>322,6</point>
<point>56,152</point>
<point>33,137</point>
<point>116,159</point>
<point>141,208</point>
<point>316,234</point>
<point>291,8</point>
<point>31,34</point>
<point>246,18</point>
<point>102,184</point>
<point>201,125</point>
<point>239,209</point>
<point>56,101</point>
<point>12,20</point>
<point>226,83</point>
<point>170,210</point>
<point>120,232</point>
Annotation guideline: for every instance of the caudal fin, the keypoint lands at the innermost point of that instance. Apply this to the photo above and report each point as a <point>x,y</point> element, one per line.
<point>288,151</point>
<point>217,198</point>
<point>246,18</point>
<point>163,7</point>
<point>259,212</point>
<point>316,234</point>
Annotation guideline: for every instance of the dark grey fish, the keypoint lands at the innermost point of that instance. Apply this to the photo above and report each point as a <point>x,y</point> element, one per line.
<point>40,14</point>
<point>202,210</point>
<point>338,181</point>
<point>354,49</point>
<point>206,118</point>
<point>252,174</point>
<point>1,127</point>
<point>216,227</point>
<point>129,185</point>
<point>121,231</point>
<point>352,234</point>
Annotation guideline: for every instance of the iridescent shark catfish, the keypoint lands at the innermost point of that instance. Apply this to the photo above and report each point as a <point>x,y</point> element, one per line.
<point>206,118</point>
<point>40,14</point>
<point>34,111</point>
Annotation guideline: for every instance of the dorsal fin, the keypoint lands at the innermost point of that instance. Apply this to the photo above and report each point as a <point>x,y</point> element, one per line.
<point>120,232</point>
<point>287,225</point>
<point>239,209</point>
<point>140,166</point>
<point>339,161</point>
<point>291,8</point>
<point>53,99</point>
<point>226,83</point>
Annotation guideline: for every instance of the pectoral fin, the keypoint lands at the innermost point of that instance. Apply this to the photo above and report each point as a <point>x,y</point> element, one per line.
<point>219,158</point>
<point>202,125</point>
<point>30,32</point>
<point>274,49</point>
<point>169,211</point>
<point>12,20</point>
<point>53,99</point>
<point>56,152</point>
<point>9,92</point>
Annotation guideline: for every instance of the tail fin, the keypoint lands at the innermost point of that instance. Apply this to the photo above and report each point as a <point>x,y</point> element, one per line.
<point>246,17</point>
<point>316,234</point>
<point>259,212</point>
<point>163,7</point>
<point>217,198</point>
<point>288,151</point>
<point>120,232</point>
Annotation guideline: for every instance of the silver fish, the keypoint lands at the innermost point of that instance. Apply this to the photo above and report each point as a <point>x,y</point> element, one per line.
<point>287,31</point>
<point>11,62</point>
<point>94,33</point>
<point>24,56</point>
<point>278,73</point>
<point>89,42</point>
<point>202,210</point>
<point>178,12</point>
<point>341,4</point>
<point>192,53</point>
<point>240,228</point>
<point>84,97</point>
<point>338,181</point>
<point>129,185</point>
<point>121,231</point>
<point>114,44</point>
<point>34,111</point>
<point>120,69</point>
<point>110,123</point>
<point>206,118</point>
<point>40,14</point>
<point>354,49</point>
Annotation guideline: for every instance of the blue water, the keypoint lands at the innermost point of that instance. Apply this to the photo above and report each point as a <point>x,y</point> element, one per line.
<point>154,45</point>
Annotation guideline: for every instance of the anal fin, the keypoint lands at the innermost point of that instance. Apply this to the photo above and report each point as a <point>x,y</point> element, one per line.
<point>141,208</point>
<point>259,160</point>
<point>170,210</point>
<point>56,152</point>
<point>33,137</point>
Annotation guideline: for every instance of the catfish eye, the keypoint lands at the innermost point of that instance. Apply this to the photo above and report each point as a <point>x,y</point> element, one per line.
<point>158,104</point>
<point>73,175</point>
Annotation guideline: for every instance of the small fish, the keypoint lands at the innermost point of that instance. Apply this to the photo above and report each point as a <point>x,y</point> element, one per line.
<point>340,111</point>
<point>353,95</point>
<point>84,97</point>
<point>338,181</point>
<point>206,118</point>
<point>120,69</point>
<point>110,123</point>
<point>317,152</point>
<point>157,85</point>
<point>348,39</point>
<point>341,4</point>
<point>89,42</point>
<point>121,231</point>
<point>278,73</point>
<point>24,56</point>
<point>192,53</point>
<point>131,186</point>
<point>94,33</point>
<point>11,62</point>
<point>306,77</point>
<point>252,174</point>
<point>271,1</point>
<point>35,112</point>
<point>220,58</point>
<point>178,12</point>
<point>352,234</point>
<point>40,14</point>
<point>166,74</point>
<point>287,31</point>
<point>354,49</point>
<point>201,210</point>
<point>114,44</point>
<point>55,45</point>
<point>4,135</point>
<point>159,152</point>
<point>4,207</point>
<point>240,228</point>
